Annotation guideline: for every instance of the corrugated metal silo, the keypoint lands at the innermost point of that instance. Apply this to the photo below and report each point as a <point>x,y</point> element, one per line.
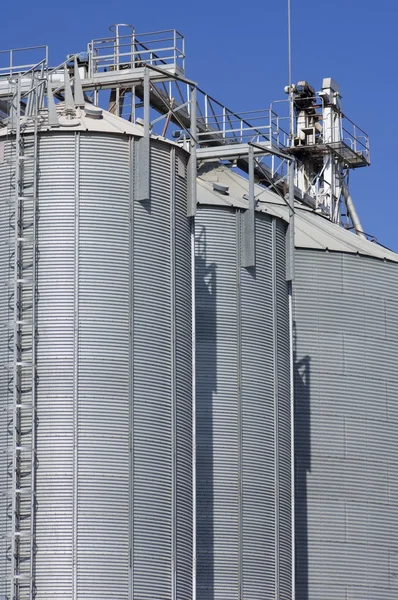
<point>346,396</point>
<point>114,436</point>
<point>345,334</point>
<point>243,405</point>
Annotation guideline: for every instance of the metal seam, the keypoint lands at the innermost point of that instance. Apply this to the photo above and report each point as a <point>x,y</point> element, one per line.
<point>174,523</point>
<point>131,371</point>
<point>239,222</point>
<point>292,443</point>
<point>193,365</point>
<point>76,368</point>
<point>276,407</point>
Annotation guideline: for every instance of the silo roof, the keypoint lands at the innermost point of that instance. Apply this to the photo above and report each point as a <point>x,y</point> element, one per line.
<point>312,229</point>
<point>91,119</point>
<point>87,119</point>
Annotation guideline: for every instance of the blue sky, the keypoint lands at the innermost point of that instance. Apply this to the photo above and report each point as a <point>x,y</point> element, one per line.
<point>236,51</point>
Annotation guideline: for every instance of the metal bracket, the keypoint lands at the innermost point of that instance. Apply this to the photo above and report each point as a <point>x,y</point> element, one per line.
<point>143,155</point>
<point>77,88</point>
<point>193,162</point>
<point>249,221</point>
<point>69,102</point>
<point>290,241</point>
<point>52,111</point>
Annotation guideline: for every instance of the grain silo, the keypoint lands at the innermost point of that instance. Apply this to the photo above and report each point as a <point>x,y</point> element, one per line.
<point>346,392</point>
<point>98,396</point>
<point>345,349</point>
<point>345,343</point>
<point>244,525</point>
<point>96,344</point>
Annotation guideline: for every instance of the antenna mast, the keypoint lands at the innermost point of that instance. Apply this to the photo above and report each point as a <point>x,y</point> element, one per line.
<point>290,75</point>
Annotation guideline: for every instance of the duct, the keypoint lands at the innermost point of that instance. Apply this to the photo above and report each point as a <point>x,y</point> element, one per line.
<point>353,213</point>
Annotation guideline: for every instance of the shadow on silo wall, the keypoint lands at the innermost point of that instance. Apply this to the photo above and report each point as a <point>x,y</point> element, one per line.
<point>302,451</point>
<point>206,385</point>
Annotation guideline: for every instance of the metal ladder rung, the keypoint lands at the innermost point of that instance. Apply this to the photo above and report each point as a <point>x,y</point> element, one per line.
<point>20,323</point>
<point>19,406</point>
<point>23,491</point>
<point>22,218</point>
<point>21,240</point>
<point>11,282</point>
<point>20,364</point>
<point>24,448</point>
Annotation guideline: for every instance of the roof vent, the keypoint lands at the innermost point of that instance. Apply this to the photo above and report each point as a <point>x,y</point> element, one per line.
<point>221,189</point>
<point>93,112</point>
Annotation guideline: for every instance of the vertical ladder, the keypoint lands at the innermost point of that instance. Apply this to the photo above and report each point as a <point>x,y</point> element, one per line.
<point>23,338</point>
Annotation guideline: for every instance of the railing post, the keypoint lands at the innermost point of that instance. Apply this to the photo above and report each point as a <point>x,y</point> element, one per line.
<point>175,52</point>
<point>133,50</point>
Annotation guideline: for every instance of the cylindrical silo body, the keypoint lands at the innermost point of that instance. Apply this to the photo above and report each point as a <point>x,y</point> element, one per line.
<point>114,353</point>
<point>346,421</point>
<point>243,414</point>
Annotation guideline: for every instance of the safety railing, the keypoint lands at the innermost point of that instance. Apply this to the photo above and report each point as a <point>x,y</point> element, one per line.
<point>158,49</point>
<point>22,60</point>
<point>356,139</point>
<point>219,124</point>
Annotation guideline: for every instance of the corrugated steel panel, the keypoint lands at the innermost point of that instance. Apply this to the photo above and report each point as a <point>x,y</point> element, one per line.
<point>114,480</point>
<point>218,550</point>
<point>162,420</point>
<point>55,367</point>
<point>243,411</point>
<point>284,414</point>
<point>152,408</point>
<point>346,390</point>
<point>259,453</point>
<point>103,395</point>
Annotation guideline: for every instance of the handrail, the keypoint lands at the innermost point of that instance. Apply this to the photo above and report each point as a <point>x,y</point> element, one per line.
<point>17,68</point>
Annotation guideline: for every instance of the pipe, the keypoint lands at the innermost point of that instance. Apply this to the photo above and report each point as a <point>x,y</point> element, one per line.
<point>353,213</point>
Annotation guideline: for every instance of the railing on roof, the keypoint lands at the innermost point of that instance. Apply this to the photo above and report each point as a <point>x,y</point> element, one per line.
<point>157,48</point>
<point>354,145</point>
<point>231,128</point>
<point>22,60</point>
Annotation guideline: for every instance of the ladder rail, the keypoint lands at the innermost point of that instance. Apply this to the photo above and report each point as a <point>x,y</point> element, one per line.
<point>16,124</point>
<point>23,340</point>
<point>34,347</point>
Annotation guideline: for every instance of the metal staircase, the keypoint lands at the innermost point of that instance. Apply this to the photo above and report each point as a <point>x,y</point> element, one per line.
<point>23,138</point>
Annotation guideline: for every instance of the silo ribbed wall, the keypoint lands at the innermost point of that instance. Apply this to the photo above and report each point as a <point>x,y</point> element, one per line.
<point>243,411</point>
<point>346,415</point>
<point>114,480</point>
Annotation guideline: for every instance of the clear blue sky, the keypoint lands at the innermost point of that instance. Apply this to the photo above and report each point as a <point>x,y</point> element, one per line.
<point>236,51</point>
